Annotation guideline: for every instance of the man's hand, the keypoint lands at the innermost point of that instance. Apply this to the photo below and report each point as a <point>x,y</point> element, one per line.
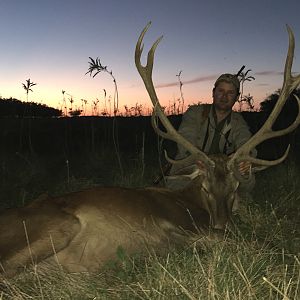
<point>244,167</point>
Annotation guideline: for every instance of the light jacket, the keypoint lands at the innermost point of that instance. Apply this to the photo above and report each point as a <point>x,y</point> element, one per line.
<point>195,126</point>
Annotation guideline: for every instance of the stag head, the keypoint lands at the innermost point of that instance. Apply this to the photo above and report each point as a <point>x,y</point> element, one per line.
<point>216,178</point>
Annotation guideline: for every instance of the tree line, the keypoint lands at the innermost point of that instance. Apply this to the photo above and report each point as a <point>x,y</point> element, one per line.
<point>15,108</point>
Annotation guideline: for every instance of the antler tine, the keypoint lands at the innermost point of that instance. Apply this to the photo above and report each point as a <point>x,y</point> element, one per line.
<point>146,74</point>
<point>290,83</point>
<point>185,161</point>
<point>295,80</point>
<point>150,59</point>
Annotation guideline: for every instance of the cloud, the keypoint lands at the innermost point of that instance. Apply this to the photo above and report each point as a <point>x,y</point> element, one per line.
<point>195,80</point>
<point>214,77</point>
<point>267,73</point>
<point>263,84</point>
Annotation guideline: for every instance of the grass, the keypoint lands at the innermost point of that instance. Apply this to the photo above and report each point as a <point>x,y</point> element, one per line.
<point>234,268</point>
<point>257,258</point>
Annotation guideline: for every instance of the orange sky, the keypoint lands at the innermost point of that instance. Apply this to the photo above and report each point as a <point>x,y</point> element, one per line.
<point>49,91</point>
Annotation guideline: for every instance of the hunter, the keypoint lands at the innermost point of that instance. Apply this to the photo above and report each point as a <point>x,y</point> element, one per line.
<point>216,128</point>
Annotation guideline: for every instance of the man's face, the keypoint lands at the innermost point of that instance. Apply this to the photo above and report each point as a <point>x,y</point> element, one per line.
<point>224,96</point>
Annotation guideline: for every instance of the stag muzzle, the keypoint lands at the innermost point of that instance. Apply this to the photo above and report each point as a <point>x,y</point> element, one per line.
<point>220,216</point>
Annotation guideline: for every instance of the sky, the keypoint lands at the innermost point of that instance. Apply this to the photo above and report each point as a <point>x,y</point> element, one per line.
<point>50,42</point>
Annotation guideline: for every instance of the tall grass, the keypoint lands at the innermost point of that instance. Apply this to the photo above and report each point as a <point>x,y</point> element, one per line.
<point>257,258</point>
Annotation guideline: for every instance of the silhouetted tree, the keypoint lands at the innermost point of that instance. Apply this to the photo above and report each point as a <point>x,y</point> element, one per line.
<point>64,103</point>
<point>243,77</point>
<point>289,111</point>
<point>285,118</point>
<point>96,67</point>
<point>75,113</point>
<point>12,107</point>
<point>181,100</point>
<point>27,87</point>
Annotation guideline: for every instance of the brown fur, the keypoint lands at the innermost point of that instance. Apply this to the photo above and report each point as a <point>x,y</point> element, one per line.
<point>84,229</point>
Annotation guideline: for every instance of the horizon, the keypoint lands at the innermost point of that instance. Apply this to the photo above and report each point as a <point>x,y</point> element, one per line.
<point>135,111</point>
<point>50,44</point>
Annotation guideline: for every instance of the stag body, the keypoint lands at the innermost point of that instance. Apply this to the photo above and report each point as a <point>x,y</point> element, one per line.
<point>83,230</point>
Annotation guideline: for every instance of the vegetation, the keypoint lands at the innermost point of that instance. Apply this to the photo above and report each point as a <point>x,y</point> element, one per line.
<point>12,107</point>
<point>248,99</point>
<point>96,67</point>
<point>258,257</point>
<point>28,87</point>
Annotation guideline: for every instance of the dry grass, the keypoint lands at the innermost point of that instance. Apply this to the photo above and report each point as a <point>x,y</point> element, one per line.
<point>257,258</point>
<point>235,267</point>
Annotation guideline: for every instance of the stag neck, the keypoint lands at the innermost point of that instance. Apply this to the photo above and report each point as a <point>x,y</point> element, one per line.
<point>191,195</point>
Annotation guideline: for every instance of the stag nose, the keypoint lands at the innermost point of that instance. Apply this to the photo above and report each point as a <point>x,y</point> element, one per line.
<point>222,224</point>
<point>220,217</point>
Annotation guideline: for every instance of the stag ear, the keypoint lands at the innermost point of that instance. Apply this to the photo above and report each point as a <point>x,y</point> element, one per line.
<point>190,172</point>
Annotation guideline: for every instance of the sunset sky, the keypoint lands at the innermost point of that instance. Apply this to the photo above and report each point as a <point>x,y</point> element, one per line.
<point>50,42</point>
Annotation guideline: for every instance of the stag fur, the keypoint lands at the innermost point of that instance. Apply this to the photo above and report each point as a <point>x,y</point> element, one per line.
<point>83,230</point>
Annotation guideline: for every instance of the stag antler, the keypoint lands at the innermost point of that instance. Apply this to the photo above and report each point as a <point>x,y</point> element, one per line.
<point>171,133</point>
<point>290,83</point>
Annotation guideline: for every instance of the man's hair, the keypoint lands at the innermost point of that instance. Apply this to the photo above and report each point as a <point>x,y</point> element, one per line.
<point>230,78</point>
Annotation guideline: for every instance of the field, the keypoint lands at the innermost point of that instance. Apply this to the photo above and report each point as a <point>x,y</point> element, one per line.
<point>258,257</point>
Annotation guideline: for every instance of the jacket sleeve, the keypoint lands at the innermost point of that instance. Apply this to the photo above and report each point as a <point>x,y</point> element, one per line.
<point>188,128</point>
